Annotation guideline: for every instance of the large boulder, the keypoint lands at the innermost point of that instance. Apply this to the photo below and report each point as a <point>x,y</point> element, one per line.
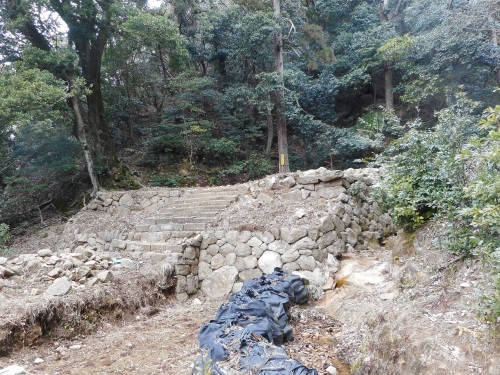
<point>220,282</point>
<point>269,260</point>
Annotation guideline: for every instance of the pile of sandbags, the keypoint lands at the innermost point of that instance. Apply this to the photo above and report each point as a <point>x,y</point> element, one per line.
<point>248,331</point>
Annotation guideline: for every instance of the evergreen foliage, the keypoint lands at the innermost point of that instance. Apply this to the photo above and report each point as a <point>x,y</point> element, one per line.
<point>189,90</point>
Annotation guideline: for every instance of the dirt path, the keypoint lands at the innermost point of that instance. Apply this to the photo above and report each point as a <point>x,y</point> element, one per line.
<point>165,341</point>
<point>162,343</point>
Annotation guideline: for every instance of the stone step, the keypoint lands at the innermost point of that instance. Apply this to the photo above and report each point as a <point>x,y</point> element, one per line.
<point>153,236</point>
<point>162,236</point>
<point>206,215</point>
<point>183,210</point>
<point>208,196</point>
<point>200,203</point>
<point>157,227</point>
<point>212,190</point>
<point>157,234</point>
<point>145,246</point>
<point>191,211</point>
<point>167,219</point>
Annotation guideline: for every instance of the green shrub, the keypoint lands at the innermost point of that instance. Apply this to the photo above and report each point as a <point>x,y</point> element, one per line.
<point>483,192</point>
<point>168,180</point>
<point>424,174</point>
<point>4,238</point>
<point>255,166</point>
<point>490,306</point>
<point>4,233</point>
<point>452,171</point>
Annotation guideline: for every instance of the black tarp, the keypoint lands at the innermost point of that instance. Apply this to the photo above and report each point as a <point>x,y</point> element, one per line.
<point>248,330</point>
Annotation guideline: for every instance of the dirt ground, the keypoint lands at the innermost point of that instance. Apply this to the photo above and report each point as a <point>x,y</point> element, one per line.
<point>404,316</point>
<point>165,341</point>
<point>406,308</point>
<point>162,343</point>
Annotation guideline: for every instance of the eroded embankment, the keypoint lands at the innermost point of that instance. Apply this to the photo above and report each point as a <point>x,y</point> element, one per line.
<point>30,320</point>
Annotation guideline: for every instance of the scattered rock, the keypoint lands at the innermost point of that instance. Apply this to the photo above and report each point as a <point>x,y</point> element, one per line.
<point>250,274</point>
<point>6,272</point>
<point>279,246</point>
<point>105,276</point>
<point>307,178</point>
<point>38,361</point>
<point>237,287</point>
<point>12,370</point>
<point>55,272</point>
<point>126,200</point>
<point>330,192</point>
<point>331,370</point>
<point>305,243</point>
<point>44,253</point>
<point>60,287</point>
<point>217,261</point>
<point>300,213</point>
<point>242,250</point>
<point>287,182</point>
<point>306,262</point>
<point>290,255</point>
<point>92,281</point>
<point>326,224</point>
<point>292,235</point>
<point>329,284</point>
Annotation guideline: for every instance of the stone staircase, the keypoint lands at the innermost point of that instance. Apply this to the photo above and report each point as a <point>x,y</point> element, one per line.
<point>184,216</point>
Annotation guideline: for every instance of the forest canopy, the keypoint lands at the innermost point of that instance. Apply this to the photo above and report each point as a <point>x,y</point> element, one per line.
<point>118,93</point>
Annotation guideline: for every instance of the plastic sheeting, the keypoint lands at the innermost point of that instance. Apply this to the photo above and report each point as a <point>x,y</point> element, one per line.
<point>248,331</point>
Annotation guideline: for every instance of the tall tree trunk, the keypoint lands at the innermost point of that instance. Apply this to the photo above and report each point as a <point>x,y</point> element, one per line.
<point>280,121</point>
<point>389,95</point>
<point>270,128</point>
<point>389,65</point>
<point>494,40</point>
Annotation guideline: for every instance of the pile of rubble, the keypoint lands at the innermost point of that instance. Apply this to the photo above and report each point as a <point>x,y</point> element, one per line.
<point>65,271</point>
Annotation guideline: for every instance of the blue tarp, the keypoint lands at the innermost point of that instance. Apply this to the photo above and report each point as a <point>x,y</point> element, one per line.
<point>248,331</point>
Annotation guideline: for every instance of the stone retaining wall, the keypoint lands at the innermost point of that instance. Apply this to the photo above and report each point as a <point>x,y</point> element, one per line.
<point>150,200</point>
<point>218,261</point>
<point>349,222</point>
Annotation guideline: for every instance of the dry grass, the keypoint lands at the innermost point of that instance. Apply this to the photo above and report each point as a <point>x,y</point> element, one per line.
<point>28,324</point>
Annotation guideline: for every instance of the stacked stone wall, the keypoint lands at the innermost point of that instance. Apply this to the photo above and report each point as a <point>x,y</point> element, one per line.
<point>218,261</point>
<point>349,222</point>
<point>149,200</point>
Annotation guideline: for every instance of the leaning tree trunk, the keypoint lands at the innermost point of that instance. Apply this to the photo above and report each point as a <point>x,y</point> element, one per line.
<point>89,25</point>
<point>90,53</point>
<point>280,121</point>
<point>80,126</point>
